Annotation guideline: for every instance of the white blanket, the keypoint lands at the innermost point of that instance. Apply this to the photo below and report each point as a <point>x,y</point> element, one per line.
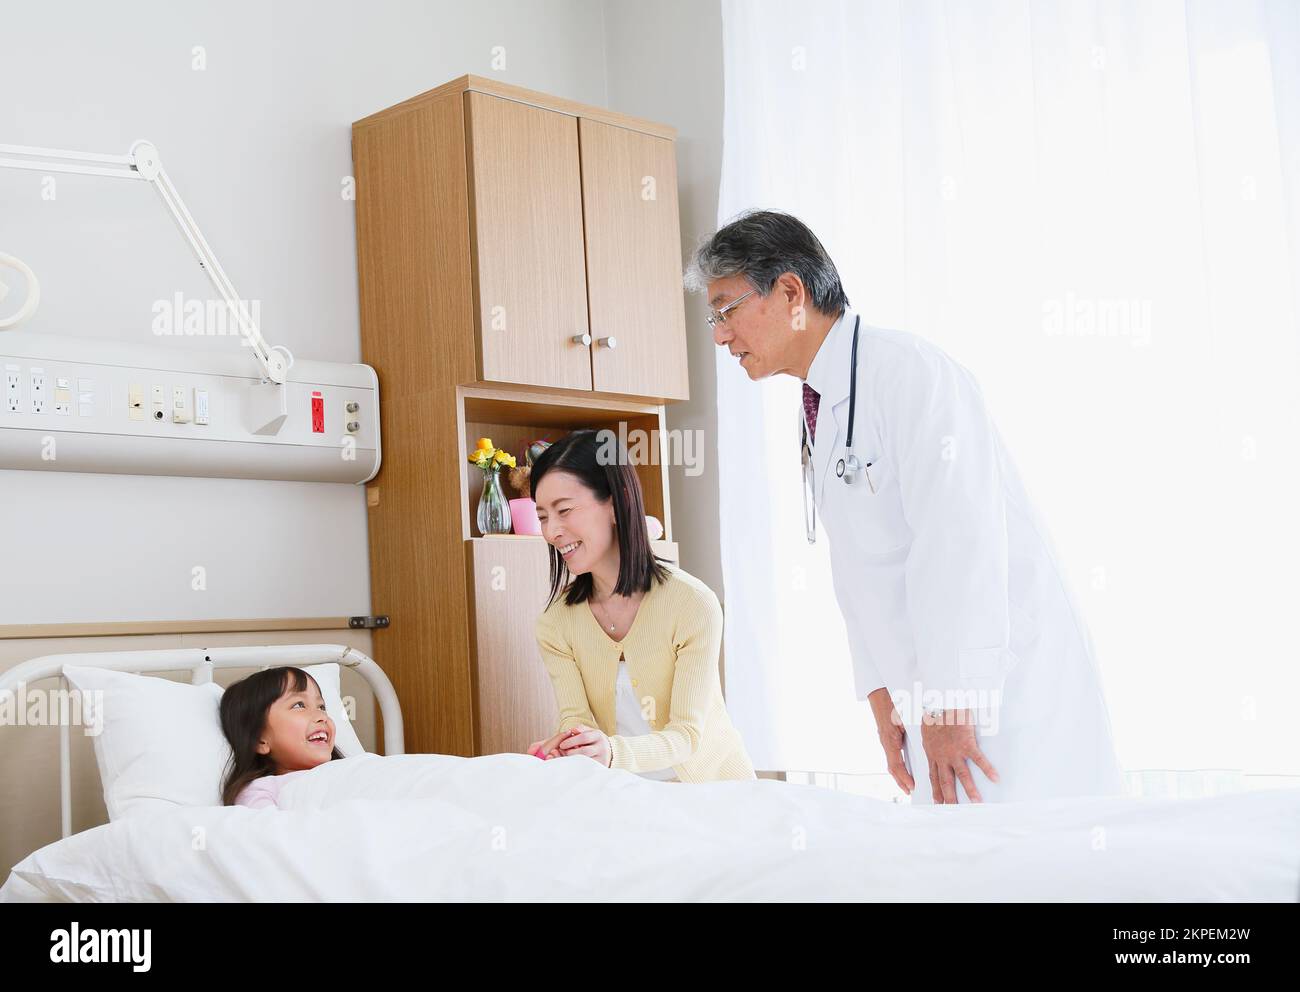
<point>510,827</point>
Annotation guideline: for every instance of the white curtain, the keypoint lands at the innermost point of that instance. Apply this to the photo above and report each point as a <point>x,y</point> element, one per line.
<point>1094,206</point>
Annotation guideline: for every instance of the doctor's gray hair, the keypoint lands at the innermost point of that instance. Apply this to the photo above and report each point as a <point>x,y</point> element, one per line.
<point>762,245</point>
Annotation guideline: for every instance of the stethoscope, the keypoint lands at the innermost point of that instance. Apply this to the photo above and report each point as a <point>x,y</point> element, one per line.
<point>847,466</point>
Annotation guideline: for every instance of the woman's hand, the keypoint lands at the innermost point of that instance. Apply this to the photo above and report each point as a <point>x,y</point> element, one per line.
<point>586,740</point>
<point>550,748</point>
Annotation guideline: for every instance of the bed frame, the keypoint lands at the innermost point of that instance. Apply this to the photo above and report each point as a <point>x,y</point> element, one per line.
<point>201,663</point>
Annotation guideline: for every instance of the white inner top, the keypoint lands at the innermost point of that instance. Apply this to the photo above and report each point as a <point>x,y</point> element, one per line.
<point>629,719</point>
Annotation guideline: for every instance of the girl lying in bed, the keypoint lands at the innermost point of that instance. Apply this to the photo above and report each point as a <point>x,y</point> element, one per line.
<point>277,727</point>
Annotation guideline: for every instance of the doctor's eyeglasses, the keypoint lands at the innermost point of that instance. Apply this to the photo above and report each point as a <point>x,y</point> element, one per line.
<point>717,317</point>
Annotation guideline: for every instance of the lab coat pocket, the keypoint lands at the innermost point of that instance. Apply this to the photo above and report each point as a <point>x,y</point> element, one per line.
<point>985,668</point>
<point>877,510</point>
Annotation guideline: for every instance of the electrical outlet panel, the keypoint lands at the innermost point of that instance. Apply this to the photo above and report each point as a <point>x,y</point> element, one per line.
<point>122,408</point>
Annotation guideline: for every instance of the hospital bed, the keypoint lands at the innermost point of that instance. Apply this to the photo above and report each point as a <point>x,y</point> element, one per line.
<point>510,827</point>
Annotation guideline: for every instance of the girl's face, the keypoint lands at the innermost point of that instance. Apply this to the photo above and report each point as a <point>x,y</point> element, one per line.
<point>579,526</point>
<point>299,734</point>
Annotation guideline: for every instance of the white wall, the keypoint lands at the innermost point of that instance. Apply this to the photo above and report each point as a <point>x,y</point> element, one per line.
<point>665,63</point>
<point>258,144</point>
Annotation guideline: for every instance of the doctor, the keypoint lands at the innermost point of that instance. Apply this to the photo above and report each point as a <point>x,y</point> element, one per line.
<point>964,637</point>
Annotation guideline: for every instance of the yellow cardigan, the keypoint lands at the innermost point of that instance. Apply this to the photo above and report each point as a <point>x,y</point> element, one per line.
<point>672,659</point>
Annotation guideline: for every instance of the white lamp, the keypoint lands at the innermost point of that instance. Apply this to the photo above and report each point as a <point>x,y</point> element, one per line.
<point>33,292</point>
<point>142,162</point>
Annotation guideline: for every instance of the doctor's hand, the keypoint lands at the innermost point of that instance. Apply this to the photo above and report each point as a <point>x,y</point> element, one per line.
<point>889,726</point>
<point>949,742</point>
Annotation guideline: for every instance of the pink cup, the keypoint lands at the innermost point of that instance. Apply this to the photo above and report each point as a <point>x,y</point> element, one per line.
<point>523,516</point>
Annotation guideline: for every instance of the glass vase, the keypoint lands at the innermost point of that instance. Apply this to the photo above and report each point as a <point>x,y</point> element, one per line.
<point>493,508</point>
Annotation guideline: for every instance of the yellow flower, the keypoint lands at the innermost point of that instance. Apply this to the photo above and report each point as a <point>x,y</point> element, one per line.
<point>485,444</point>
<point>504,457</point>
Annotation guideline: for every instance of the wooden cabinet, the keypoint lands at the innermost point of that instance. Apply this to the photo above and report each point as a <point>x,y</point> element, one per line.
<point>572,232</point>
<point>494,226</point>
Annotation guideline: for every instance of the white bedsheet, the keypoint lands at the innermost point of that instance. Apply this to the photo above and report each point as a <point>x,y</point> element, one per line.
<point>512,827</point>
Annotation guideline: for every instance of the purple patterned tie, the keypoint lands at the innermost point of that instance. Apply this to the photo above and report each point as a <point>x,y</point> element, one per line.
<point>811,400</point>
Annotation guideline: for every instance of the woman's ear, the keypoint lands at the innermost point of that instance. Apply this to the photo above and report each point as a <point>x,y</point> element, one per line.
<point>263,747</point>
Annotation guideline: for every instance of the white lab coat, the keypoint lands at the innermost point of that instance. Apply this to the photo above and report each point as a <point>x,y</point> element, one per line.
<point>945,575</point>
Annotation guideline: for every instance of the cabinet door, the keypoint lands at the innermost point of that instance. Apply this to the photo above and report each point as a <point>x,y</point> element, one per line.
<point>530,286</point>
<point>516,704</point>
<point>634,261</point>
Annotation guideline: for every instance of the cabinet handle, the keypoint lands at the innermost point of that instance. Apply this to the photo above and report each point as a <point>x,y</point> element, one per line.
<point>583,339</point>
<point>607,342</point>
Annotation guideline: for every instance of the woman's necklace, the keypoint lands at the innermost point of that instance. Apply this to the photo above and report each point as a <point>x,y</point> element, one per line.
<point>604,616</point>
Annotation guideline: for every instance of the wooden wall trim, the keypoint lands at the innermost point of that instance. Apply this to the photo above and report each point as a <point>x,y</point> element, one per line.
<point>133,627</point>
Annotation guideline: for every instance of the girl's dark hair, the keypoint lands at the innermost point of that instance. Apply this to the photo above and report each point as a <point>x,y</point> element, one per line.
<point>243,718</point>
<point>599,461</point>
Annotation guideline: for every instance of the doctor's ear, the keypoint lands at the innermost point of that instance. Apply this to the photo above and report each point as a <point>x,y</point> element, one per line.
<point>791,287</point>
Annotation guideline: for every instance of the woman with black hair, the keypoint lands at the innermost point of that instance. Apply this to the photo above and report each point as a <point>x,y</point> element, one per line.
<point>630,640</point>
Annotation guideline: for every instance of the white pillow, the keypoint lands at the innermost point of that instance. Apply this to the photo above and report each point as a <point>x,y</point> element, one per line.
<point>161,743</point>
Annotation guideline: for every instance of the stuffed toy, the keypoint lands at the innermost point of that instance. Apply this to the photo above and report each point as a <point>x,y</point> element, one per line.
<point>517,481</point>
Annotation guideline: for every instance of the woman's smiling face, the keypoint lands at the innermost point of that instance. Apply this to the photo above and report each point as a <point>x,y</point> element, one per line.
<point>299,734</point>
<point>575,523</point>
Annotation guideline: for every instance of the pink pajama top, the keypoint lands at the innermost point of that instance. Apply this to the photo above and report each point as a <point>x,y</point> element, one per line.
<point>265,791</point>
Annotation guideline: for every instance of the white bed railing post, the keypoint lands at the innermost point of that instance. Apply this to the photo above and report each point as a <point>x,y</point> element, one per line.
<point>65,764</point>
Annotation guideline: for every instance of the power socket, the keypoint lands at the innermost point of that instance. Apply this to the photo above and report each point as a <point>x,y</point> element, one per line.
<point>135,401</point>
<point>13,390</point>
<point>38,390</point>
<point>180,405</point>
